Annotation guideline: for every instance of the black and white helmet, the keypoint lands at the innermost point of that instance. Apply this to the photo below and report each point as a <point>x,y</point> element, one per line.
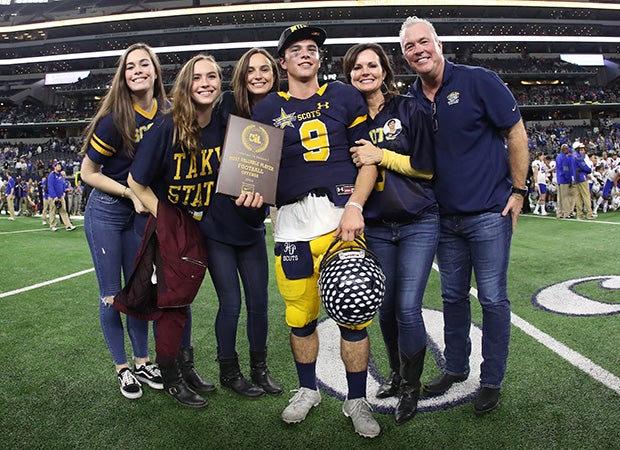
<point>351,282</point>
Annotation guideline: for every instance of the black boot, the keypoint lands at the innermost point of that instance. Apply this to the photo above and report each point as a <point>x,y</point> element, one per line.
<point>231,378</point>
<point>410,371</point>
<point>190,375</point>
<point>176,387</point>
<point>260,373</point>
<point>392,384</point>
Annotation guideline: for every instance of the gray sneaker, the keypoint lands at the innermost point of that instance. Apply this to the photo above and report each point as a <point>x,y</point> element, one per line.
<point>300,405</point>
<point>360,413</point>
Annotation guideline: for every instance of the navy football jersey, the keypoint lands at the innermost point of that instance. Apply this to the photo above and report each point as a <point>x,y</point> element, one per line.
<point>188,180</point>
<point>106,145</point>
<point>183,178</point>
<point>318,133</point>
<point>403,127</point>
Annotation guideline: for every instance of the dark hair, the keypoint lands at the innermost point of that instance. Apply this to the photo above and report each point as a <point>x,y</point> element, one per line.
<point>348,62</point>
<point>239,80</point>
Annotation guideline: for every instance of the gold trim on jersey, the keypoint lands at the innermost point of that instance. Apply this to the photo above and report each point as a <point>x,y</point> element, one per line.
<point>147,114</point>
<point>358,120</point>
<point>285,95</point>
<point>102,147</point>
<point>288,96</point>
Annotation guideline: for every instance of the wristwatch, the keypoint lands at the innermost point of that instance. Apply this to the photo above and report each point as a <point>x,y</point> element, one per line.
<point>516,190</point>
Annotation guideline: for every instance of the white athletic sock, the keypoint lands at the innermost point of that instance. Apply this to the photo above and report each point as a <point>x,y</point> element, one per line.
<point>598,203</point>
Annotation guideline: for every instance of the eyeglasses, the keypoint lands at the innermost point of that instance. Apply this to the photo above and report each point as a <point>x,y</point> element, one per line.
<point>434,116</point>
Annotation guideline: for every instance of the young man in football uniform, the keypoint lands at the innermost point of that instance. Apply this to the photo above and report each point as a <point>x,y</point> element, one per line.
<point>612,176</point>
<point>552,184</point>
<point>539,182</point>
<point>320,195</point>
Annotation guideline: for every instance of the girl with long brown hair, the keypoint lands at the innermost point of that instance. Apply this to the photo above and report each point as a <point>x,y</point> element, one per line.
<point>112,220</point>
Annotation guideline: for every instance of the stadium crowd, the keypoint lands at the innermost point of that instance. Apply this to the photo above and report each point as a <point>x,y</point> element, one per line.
<point>526,96</point>
<point>30,192</point>
<point>30,163</point>
<point>553,94</point>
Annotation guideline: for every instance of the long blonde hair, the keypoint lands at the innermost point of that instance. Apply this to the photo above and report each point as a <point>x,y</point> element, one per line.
<point>118,101</point>
<point>240,84</point>
<point>184,113</point>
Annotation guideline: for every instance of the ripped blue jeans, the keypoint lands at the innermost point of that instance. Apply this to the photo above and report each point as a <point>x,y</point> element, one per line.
<point>114,231</point>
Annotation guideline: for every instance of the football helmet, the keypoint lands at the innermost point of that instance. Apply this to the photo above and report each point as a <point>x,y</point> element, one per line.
<point>351,282</point>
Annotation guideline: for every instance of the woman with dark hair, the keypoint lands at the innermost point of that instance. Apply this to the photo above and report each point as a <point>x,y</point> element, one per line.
<point>401,216</point>
<point>112,220</point>
<point>255,75</point>
<point>238,247</point>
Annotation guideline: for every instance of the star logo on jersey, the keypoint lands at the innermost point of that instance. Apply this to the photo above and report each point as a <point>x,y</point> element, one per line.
<point>284,120</point>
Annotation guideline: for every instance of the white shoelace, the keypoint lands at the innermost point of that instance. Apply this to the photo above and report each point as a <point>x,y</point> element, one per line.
<point>127,378</point>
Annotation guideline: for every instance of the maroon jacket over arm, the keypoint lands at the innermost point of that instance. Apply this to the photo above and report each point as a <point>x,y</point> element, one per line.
<point>172,244</point>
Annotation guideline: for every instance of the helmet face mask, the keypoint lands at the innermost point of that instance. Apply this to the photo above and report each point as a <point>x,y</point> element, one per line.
<point>351,283</point>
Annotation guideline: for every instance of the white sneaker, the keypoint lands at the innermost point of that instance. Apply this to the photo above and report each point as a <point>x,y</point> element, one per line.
<point>544,213</point>
<point>300,405</point>
<point>71,228</point>
<point>53,229</point>
<point>360,413</point>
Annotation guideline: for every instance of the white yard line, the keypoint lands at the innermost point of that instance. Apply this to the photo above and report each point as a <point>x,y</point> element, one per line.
<point>570,355</point>
<point>576,359</point>
<point>550,217</point>
<point>46,283</point>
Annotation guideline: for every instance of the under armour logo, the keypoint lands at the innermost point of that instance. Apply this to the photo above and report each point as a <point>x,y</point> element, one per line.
<point>322,105</point>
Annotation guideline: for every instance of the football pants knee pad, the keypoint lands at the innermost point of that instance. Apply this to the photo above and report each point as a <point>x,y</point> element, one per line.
<point>304,331</point>
<point>351,335</point>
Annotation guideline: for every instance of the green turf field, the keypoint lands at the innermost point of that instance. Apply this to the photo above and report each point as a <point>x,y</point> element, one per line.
<point>58,389</point>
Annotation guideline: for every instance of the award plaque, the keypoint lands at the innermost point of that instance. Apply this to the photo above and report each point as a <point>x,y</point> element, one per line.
<point>250,159</point>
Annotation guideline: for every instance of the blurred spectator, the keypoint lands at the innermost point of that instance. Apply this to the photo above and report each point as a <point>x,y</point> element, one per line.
<point>56,189</point>
<point>10,195</point>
